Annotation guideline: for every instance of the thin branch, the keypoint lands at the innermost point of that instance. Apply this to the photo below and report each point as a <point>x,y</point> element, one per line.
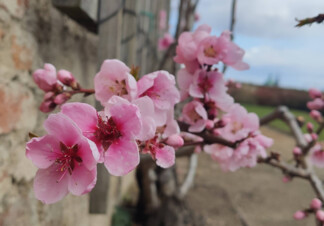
<point>317,19</point>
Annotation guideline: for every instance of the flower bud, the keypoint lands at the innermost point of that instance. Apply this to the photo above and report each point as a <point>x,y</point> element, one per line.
<point>65,77</point>
<point>299,215</point>
<point>297,151</point>
<point>310,127</point>
<point>316,115</point>
<point>314,93</point>
<point>45,78</point>
<point>47,106</point>
<point>316,104</point>
<point>61,98</point>
<point>314,136</point>
<point>316,204</point>
<point>175,140</point>
<point>320,215</point>
<point>209,124</point>
<point>49,95</point>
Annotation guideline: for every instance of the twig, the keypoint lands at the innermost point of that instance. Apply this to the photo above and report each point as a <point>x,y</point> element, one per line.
<point>317,19</point>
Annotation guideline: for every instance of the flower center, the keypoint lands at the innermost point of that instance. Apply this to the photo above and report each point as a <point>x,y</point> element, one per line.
<point>107,131</point>
<point>68,158</point>
<point>210,51</point>
<point>204,84</point>
<point>236,126</point>
<point>119,88</point>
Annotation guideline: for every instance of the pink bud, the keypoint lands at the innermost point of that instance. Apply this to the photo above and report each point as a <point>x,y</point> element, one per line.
<point>65,77</point>
<point>320,215</point>
<point>310,127</point>
<point>299,215</point>
<point>316,115</point>
<point>209,124</point>
<point>175,140</point>
<point>316,104</point>
<point>297,151</point>
<point>314,93</point>
<point>61,98</point>
<point>45,78</point>
<point>314,136</point>
<point>316,204</point>
<point>48,95</point>
<point>47,106</point>
<point>216,132</point>
<point>286,179</point>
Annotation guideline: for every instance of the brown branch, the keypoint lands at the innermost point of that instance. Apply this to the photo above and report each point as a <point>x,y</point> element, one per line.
<point>317,19</point>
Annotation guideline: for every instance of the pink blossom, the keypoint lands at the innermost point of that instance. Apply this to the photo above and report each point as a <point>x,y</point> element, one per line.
<point>245,155</point>
<point>114,79</point>
<point>160,87</point>
<point>66,160</point>
<point>316,204</point>
<point>213,49</point>
<point>171,126</point>
<point>320,215</point>
<point>114,131</point>
<point>317,155</point>
<point>46,78</point>
<point>310,127</point>
<point>184,80</point>
<point>163,154</point>
<point>195,115</point>
<point>188,45</point>
<point>315,93</point>
<point>316,115</point>
<point>165,41</point>
<point>316,104</point>
<point>66,77</point>
<point>211,86</point>
<point>299,215</point>
<point>239,124</point>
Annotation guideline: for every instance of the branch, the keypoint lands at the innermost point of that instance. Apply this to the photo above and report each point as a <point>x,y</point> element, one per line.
<point>193,162</point>
<point>317,19</point>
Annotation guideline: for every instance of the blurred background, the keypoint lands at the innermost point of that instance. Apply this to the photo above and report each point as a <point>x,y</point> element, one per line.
<point>78,34</point>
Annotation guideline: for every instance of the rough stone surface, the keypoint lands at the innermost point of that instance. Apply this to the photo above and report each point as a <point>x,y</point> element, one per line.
<point>32,32</point>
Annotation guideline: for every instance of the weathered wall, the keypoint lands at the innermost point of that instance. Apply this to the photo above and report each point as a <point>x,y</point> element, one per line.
<point>31,33</point>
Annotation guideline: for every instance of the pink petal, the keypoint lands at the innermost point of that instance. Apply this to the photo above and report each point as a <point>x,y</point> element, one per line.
<point>122,157</point>
<point>198,126</point>
<point>82,180</point>
<point>89,153</point>
<point>63,128</point>
<point>84,115</point>
<point>42,151</point>
<point>165,157</point>
<point>49,187</point>
<point>127,117</point>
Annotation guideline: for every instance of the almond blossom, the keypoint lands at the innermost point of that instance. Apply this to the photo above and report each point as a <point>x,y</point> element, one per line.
<point>165,41</point>
<point>114,79</point>
<point>160,87</point>
<point>114,131</point>
<point>65,158</point>
<point>195,115</point>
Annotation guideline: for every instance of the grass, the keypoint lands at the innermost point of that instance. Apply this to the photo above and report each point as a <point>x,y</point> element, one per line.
<point>278,124</point>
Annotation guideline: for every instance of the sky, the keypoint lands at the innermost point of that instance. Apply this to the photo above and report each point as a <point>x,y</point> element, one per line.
<point>273,46</point>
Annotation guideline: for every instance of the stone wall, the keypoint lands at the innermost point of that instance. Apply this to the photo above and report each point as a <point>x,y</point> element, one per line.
<point>33,32</point>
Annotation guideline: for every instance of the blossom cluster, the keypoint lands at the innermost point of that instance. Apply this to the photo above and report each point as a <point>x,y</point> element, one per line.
<point>137,116</point>
<point>210,107</point>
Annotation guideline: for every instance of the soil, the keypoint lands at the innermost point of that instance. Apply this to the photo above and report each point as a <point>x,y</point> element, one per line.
<point>249,197</point>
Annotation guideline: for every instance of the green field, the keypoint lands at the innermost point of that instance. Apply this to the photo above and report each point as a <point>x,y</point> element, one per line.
<point>278,124</point>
